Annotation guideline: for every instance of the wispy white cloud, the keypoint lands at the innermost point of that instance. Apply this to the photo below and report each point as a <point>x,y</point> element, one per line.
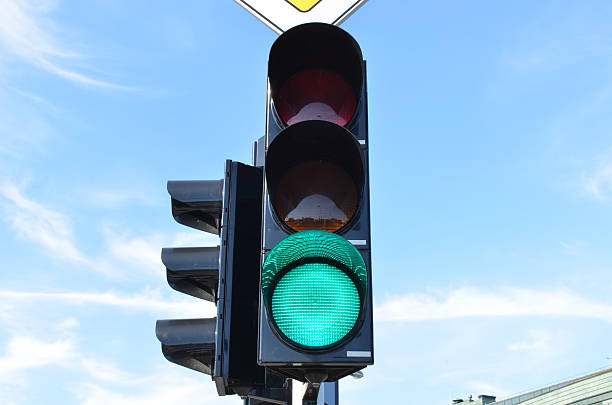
<point>40,224</point>
<point>100,381</point>
<point>102,371</point>
<point>146,249</point>
<point>539,341</point>
<point>52,230</point>
<point>114,198</point>
<point>26,352</point>
<point>69,323</point>
<point>194,238</point>
<point>147,301</point>
<point>574,248</point>
<point>161,388</point>
<point>475,302</point>
<point>27,32</point>
<point>23,130</point>
<point>598,183</point>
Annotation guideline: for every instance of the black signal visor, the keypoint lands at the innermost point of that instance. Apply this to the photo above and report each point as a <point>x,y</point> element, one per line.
<point>315,72</point>
<point>315,176</point>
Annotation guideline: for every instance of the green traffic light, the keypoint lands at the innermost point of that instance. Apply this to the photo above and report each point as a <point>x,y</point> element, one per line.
<point>313,284</point>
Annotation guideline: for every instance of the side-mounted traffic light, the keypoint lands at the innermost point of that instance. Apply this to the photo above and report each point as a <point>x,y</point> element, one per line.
<point>226,346</point>
<point>315,316</point>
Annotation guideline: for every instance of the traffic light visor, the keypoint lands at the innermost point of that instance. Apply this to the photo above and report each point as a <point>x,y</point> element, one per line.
<point>315,176</point>
<point>314,284</point>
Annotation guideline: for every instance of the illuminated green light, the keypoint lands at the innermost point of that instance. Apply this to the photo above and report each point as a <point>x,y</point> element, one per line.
<point>315,304</point>
<point>317,301</point>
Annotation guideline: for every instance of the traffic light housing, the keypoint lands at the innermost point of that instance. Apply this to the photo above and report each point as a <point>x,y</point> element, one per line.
<point>225,346</point>
<point>315,309</point>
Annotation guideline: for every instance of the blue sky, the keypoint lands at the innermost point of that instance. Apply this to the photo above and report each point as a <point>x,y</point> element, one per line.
<point>491,190</point>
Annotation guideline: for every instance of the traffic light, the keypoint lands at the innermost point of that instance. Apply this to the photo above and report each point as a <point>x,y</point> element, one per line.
<point>315,315</point>
<point>226,346</point>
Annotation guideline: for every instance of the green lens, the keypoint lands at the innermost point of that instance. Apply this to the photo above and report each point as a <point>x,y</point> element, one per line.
<point>317,302</point>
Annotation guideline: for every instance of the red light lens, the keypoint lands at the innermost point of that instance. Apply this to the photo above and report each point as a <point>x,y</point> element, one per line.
<point>316,94</point>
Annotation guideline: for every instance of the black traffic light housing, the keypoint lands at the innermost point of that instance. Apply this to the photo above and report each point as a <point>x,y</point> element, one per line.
<point>292,277</point>
<point>225,346</point>
<point>316,153</point>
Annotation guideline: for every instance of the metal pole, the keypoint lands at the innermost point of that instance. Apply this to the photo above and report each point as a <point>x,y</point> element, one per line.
<point>330,393</point>
<point>304,393</point>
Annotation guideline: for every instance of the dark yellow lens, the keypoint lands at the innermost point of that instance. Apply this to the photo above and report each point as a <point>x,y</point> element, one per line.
<point>316,195</point>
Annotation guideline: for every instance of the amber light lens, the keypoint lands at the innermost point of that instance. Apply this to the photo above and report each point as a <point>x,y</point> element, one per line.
<point>316,195</point>
<point>315,176</point>
<point>316,94</point>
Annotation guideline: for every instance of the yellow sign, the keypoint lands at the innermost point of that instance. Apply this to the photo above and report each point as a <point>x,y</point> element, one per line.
<point>282,15</point>
<point>303,5</point>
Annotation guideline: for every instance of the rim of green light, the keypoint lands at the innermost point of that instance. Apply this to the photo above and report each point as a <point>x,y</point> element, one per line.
<point>330,252</point>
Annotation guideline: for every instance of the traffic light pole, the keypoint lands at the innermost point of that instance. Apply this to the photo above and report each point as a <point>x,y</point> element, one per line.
<point>309,394</point>
<point>330,393</point>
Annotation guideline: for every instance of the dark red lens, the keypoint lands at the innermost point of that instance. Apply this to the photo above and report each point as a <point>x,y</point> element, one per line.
<point>316,94</point>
